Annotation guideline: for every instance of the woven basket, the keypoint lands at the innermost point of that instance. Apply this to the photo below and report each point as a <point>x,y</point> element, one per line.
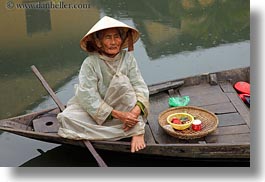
<point>209,122</point>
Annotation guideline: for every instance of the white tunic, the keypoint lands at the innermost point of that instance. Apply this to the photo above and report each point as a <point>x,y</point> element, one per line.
<point>104,84</point>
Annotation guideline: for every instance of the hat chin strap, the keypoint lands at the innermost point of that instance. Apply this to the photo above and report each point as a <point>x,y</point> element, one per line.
<point>130,40</point>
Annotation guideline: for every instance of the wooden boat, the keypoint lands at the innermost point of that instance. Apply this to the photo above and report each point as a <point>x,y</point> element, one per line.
<point>213,92</point>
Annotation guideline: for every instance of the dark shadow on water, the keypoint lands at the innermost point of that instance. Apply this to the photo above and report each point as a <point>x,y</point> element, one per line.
<point>71,156</point>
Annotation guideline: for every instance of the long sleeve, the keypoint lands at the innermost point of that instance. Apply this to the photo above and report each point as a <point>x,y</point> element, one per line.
<point>139,85</point>
<point>88,95</point>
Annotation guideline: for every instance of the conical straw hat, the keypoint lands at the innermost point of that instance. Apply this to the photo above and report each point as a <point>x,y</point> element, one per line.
<point>105,23</point>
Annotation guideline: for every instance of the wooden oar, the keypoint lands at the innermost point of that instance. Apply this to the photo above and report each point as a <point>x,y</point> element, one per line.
<point>87,143</point>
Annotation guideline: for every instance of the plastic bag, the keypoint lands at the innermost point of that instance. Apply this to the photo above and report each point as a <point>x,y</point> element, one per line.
<point>178,101</point>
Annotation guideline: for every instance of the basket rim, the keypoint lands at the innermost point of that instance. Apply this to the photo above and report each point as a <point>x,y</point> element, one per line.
<point>179,134</point>
<point>181,125</point>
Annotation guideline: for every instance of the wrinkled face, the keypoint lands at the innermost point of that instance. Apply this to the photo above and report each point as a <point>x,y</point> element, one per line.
<point>110,42</point>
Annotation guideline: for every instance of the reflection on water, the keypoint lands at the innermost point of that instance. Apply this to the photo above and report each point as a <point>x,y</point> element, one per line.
<point>38,21</point>
<point>46,38</point>
<point>178,39</point>
<point>185,25</point>
<point>49,38</point>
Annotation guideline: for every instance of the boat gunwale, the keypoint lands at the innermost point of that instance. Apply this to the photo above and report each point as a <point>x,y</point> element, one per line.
<point>55,135</point>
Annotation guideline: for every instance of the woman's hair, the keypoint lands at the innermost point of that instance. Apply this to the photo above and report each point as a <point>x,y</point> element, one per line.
<point>91,45</point>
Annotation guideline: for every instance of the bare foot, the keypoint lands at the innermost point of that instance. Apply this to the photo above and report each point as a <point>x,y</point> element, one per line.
<point>137,143</point>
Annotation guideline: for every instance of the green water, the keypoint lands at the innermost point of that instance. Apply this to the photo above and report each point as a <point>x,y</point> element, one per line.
<point>179,38</point>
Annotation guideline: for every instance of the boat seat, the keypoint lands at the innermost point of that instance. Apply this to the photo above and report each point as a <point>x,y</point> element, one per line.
<point>46,124</point>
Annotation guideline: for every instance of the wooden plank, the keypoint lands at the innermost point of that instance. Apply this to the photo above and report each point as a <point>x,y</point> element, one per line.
<point>173,93</point>
<point>234,75</point>
<point>227,130</point>
<point>210,150</point>
<point>213,79</point>
<point>197,141</point>
<point>148,136</point>
<point>230,119</point>
<point>221,108</point>
<point>202,89</point>
<point>15,125</point>
<point>208,99</point>
<point>164,86</point>
<point>234,139</point>
<point>27,118</point>
<point>159,103</point>
<point>242,109</point>
<point>46,124</point>
<point>227,87</point>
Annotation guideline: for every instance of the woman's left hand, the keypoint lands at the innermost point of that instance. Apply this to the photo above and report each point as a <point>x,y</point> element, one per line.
<point>135,111</point>
<point>128,118</point>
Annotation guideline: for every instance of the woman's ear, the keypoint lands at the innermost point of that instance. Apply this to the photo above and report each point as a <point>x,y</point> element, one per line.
<point>98,43</point>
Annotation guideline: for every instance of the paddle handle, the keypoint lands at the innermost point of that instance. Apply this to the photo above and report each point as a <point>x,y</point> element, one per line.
<point>48,88</point>
<point>99,160</point>
<point>87,143</point>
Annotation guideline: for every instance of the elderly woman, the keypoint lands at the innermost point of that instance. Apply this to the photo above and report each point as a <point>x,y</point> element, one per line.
<point>111,100</point>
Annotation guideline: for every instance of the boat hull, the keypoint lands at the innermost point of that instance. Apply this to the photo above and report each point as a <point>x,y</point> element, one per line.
<point>230,140</point>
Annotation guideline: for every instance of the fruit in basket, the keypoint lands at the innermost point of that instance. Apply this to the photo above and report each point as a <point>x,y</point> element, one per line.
<point>176,121</point>
<point>180,121</point>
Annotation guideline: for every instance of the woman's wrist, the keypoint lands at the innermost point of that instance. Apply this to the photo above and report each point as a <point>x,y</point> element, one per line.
<point>136,110</point>
<point>141,106</point>
<point>115,113</point>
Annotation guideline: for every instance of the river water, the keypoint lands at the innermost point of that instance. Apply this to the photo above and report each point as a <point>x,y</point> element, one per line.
<point>178,39</point>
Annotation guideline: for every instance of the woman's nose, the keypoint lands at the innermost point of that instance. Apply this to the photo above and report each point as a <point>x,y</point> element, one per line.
<point>112,40</point>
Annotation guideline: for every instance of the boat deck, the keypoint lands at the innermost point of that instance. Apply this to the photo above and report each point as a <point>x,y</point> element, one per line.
<point>221,99</point>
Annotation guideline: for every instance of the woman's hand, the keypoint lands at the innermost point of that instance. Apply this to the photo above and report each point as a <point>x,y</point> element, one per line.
<point>128,118</point>
<point>136,111</point>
